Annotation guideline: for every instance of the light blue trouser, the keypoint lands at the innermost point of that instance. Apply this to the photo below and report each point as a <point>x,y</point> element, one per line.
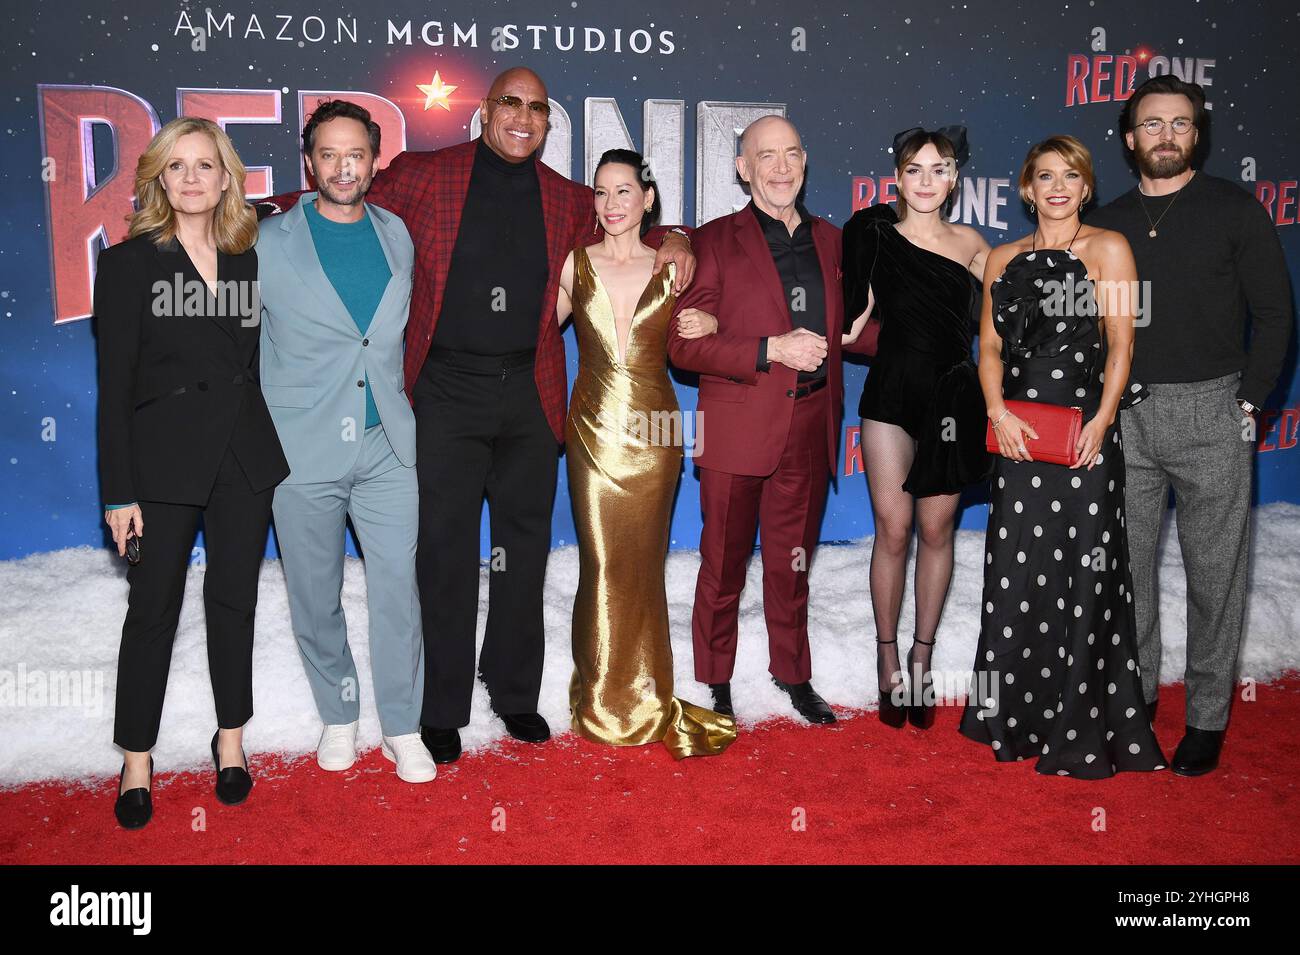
<point>381,497</point>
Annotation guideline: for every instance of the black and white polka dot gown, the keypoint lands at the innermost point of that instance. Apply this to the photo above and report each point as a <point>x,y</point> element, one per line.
<point>1056,674</point>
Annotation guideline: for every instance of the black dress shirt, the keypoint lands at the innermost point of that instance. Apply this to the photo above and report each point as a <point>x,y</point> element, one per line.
<point>795,257</point>
<point>498,271</point>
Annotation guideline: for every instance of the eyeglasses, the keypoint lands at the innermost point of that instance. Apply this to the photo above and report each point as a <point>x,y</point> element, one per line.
<point>536,107</point>
<point>1155,127</point>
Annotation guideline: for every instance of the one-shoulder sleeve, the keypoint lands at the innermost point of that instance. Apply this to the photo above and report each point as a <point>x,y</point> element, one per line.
<point>861,248</point>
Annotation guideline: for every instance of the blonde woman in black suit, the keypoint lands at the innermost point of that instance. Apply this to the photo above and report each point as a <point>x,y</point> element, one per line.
<point>184,435</point>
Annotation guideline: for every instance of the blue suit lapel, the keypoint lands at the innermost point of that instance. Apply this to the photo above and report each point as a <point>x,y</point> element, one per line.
<point>379,220</point>
<point>301,252</point>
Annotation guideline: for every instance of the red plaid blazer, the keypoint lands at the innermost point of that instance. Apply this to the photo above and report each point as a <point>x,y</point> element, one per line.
<point>427,190</point>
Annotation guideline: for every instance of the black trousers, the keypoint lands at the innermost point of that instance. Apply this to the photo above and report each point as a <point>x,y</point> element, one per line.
<point>235,522</point>
<point>480,430</point>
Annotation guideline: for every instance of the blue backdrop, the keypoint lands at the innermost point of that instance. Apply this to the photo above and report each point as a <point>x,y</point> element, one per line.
<point>87,87</point>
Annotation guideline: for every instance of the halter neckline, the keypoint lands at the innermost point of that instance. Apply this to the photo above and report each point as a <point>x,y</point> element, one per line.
<point>1033,239</point>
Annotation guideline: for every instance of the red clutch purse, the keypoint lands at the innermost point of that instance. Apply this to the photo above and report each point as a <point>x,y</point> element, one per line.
<point>1057,427</point>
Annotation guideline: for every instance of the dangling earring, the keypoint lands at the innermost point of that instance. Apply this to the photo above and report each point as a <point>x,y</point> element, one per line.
<point>1033,208</point>
<point>595,229</point>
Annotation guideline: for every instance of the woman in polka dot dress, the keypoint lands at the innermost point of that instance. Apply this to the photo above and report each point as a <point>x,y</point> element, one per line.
<point>1056,674</point>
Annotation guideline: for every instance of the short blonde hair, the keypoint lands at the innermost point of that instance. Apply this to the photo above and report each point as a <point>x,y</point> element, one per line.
<point>234,221</point>
<point>1074,153</point>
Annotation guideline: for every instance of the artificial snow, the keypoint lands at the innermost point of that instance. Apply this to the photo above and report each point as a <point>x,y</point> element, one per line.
<point>62,616</point>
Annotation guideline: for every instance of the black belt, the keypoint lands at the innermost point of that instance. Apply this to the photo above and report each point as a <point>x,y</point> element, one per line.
<point>483,364</point>
<point>200,385</point>
<point>803,391</point>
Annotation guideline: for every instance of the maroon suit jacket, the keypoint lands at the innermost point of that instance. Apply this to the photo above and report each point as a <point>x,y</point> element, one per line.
<point>746,413</point>
<point>427,190</point>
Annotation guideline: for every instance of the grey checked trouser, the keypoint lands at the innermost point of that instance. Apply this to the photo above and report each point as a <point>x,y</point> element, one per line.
<point>1194,437</point>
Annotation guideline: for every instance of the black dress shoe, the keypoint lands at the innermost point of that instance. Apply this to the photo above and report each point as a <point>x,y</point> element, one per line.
<point>443,745</point>
<point>233,783</point>
<point>805,699</point>
<point>722,699</point>
<point>134,808</point>
<point>527,727</point>
<point>1198,753</point>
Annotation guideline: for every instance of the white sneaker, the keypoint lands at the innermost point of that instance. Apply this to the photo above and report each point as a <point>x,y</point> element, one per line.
<point>337,749</point>
<point>414,764</point>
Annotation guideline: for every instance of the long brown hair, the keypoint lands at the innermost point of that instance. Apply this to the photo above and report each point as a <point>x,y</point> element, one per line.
<point>234,223</point>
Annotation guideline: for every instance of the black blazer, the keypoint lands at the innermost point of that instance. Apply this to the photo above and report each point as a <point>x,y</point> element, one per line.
<point>177,390</point>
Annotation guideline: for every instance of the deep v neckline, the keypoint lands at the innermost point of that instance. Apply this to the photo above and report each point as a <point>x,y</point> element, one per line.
<point>619,354</point>
<point>216,284</point>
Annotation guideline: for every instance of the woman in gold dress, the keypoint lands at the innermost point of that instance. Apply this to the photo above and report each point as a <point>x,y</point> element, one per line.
<point>623,442</point>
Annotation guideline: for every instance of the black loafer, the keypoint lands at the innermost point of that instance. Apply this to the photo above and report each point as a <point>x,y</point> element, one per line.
<point>443,745</point>
<point>805,699</point>
<point>722,699</point>
<point>527,727</point>
<point>134,808</point>
<point>233,783</point>
<point>1198,753</point>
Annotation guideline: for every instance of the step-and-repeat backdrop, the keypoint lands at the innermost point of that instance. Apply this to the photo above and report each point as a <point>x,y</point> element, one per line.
<point>87,85</point>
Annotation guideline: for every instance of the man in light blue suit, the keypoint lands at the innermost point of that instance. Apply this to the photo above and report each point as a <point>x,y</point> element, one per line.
<point>335,277</point>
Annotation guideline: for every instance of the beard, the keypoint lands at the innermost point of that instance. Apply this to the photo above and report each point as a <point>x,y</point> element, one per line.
<point>1173,164</point>
<point>358,195</point>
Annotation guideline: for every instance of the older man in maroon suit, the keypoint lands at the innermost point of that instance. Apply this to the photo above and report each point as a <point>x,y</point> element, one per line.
<point>485,369</point>
<point>770,393</point>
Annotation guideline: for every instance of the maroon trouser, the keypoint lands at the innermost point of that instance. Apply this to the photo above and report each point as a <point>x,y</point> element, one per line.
<point>786,507</point>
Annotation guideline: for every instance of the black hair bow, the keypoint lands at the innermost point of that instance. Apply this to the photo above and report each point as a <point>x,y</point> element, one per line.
<point>954,134</point>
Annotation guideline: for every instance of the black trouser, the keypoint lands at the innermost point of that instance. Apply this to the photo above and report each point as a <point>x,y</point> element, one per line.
<point>235,522</point>
<point>480,429</point>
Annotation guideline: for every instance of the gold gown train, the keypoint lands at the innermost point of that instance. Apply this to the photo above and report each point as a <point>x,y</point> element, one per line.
<point>623,446</point>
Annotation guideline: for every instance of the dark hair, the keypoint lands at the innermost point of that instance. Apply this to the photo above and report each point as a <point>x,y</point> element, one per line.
<point>630,157</point>
<point>333,109</point>
<point>907,151</point>
<point>1164,84</point>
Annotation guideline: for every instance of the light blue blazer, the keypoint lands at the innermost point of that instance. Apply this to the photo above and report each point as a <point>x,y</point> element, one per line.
<point>313,356</point>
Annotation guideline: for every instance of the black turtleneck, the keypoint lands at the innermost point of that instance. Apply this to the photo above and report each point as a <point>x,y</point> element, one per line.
<point>498,272</point>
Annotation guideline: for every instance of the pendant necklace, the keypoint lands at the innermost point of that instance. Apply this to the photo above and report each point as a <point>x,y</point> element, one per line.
<point>1153,225</point>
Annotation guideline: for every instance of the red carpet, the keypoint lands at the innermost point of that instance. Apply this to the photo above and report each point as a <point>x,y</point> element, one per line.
<point>865,793</point>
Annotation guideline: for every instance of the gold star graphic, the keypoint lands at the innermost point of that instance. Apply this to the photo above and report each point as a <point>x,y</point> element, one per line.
<point>436,92</point>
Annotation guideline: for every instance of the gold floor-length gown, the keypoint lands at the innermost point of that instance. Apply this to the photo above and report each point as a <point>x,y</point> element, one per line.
<point>623,444</point>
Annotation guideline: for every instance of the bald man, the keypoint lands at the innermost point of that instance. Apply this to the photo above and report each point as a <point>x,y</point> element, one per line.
<point>484,367</point>
<point>770,394</point>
